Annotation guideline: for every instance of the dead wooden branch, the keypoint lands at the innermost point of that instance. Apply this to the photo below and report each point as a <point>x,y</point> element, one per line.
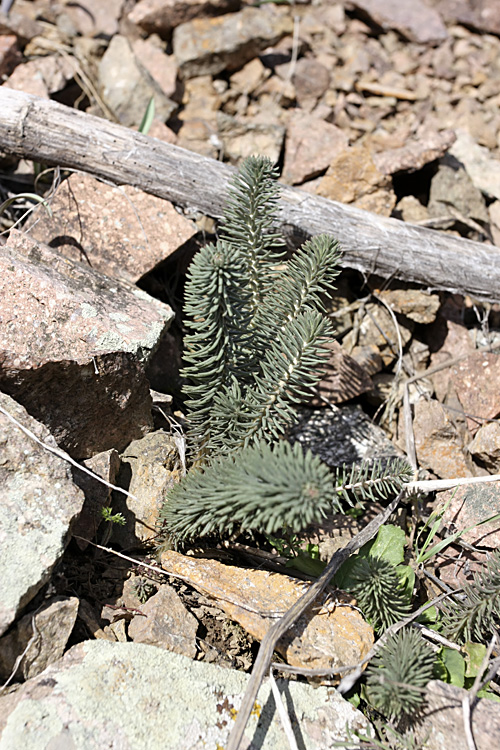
<point>53,134</point>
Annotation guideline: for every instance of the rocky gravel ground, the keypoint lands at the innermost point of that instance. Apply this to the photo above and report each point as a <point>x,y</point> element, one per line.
<point>390,107</point>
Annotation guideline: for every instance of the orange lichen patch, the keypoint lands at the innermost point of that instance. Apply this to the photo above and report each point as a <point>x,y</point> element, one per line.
<point>331,633</point>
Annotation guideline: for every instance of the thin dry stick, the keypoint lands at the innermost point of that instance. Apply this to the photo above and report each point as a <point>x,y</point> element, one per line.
<point>432,635</point>
<point>470,697</point>
<point>436,485</point>
<point>389,309</point>
<point>354,671</point>
<point>350,679</point>
<point>273,635</point>
<point>61,454</point>
<point>285,719</point>
<point>34,637</point>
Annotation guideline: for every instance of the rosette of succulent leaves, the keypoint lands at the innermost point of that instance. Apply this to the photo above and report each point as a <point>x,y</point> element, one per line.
<point>256,347</point>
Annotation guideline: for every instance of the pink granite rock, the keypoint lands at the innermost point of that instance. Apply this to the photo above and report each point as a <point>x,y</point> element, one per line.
<point>120,231</point>
<point>468,506</point>
<point>93,17</point>
<point>161,16</point>
<point>414,19</point>
<point>73,347</point>
<point>477,382</point>
<point>311,146</point>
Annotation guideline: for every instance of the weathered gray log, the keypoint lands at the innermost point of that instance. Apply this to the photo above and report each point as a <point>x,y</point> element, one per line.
<point>48,132</point>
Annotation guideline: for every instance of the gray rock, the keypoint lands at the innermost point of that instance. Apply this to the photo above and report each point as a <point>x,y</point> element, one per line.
<point>243,138</point>
<point>210,45</point>
<point>150,466</point>
<point>92,17</point>
<point>161,16</point>
<point>486,446</point>
<point>452,188</point>
<point>165,622</point>
<point>40,636</point>
<point>481,167</point>
<point>483,15</point>
<point>414,20</point>
<point>76,346</point>
<point>137,697</point>
<point>442,727</point>
<point>127,87</point>
<point>38,502</point>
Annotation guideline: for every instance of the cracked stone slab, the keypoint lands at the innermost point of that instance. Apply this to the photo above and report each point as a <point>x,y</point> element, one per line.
<point>38,639</point>
<point>38,502</point>
<point>134,696</point>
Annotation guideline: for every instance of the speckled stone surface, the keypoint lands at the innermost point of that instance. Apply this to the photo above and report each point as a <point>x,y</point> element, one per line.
<point>131,696</point>
<point>38,502</point>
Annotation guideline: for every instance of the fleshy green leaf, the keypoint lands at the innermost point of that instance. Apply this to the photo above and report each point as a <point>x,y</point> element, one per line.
<point>26,196</point>
<point>455,666</point>
<point>474,655</point>
<point>148,117</point>
<point>389,544</point>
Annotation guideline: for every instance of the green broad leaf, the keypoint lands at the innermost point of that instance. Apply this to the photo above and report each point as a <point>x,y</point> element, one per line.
<point>313,551</point>
<point>407,577</point>
<point>389,544</point>
<point>430,617</point>
<point>306,564</point>
<point>455,666</point>
<point>355,700</point>
<point>439,671</point>
<point>148,117</point>
<point>344,578</point>
<point>474,655</point>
